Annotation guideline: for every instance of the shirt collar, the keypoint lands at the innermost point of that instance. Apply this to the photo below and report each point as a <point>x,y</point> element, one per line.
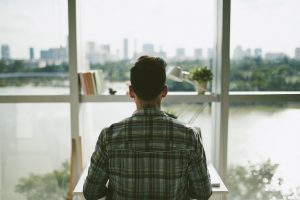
<point>148,112</point>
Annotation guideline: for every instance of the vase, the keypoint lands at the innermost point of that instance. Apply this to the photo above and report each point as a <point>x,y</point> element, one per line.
<point>201,87</point>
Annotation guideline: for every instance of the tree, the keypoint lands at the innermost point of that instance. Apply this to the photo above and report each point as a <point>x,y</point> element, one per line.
<point>256,181</point>
<point>53,185</point>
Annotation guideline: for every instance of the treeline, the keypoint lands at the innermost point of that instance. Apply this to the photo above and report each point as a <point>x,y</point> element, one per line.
<point>115,71</point>
<point>120,71</point>
<point>257,74</point>
<point>22,67</point>
<point>249,74</point>
<point>14,66</point>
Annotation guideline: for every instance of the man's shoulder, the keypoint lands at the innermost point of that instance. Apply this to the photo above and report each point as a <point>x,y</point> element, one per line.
<point>165,119</point>
<point>117,125</point>
<point>133,123</point>
<point>183,125</point>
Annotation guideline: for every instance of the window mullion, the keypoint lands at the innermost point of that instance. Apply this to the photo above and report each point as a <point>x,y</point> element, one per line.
<point>220,86</point>
<point>76,157</point>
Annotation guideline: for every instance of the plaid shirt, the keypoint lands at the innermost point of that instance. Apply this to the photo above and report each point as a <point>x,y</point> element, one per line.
<point>148,156</point>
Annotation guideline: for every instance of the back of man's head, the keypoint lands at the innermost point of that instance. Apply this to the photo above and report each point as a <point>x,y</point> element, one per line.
<point>148,77</point>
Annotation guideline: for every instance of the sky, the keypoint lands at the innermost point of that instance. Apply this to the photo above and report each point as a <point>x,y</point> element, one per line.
<point>272,25</point>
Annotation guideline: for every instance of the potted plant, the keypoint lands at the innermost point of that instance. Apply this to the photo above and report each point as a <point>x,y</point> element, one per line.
<point>201,75</point>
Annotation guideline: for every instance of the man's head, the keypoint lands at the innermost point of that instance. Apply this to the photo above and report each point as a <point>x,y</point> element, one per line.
<point>148,77</point>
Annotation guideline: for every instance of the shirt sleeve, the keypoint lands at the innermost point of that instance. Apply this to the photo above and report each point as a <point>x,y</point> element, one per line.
<point>199,179</point>
<point>94,185</point>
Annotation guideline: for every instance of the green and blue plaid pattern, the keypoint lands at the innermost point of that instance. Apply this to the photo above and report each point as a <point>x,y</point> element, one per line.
<point>148,156</point>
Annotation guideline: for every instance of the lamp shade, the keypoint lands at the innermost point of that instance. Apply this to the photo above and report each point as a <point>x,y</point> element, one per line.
<point>175,73</point>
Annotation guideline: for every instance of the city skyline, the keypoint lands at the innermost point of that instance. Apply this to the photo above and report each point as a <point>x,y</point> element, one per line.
<point>101,53</point>
<point>270,25</point>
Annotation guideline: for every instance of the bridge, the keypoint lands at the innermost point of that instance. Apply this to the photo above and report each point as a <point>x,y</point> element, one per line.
<point>34,75</point>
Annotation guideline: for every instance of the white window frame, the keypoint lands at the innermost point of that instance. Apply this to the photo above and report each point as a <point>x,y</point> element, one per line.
<point>220,96</point>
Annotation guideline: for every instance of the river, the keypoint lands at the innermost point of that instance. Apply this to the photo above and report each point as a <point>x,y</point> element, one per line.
<point>35,138</point>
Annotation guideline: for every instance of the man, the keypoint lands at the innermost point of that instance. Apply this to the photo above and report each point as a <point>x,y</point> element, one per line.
<point>148,155</point>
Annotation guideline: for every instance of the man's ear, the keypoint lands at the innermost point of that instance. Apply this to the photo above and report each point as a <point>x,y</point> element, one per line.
<point>164,92</point>
<point>131,92</point>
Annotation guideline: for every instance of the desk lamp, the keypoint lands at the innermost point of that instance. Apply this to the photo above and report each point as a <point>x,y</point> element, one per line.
<point>176,73</point>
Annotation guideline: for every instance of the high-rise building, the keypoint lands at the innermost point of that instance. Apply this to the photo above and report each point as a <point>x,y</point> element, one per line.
<point>98,53</point>
<point>148,49</point>
<point>238,53</point>
<point>275,56</point>
<point>258,52</point>
<point>44,55</point>
<point>91,54</point>
<point>248,53</point>
<point>180,54</point>
<point>31,53</point>
<point>297,53</point>
<point>5,53</point>
<point>125,49</point>
<point>104,49</point>
<point>104,52</point>
<point>198,54</point>
<point>210,53</point>
<point>91,47</point>
<point>135,53</point>
<point>162,54</point>
<point>54,55</point>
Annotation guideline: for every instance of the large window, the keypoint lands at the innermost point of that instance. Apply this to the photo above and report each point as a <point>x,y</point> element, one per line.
<point>263,126</point>
<point>197,115</point>
<point>265,45</point>
<point>34,47</point>
<point>34,151</point>
<point>116,32</point>
<point>34,137</point>
<point>96,116</point>
<point>36,130</point>
<point>263,151</point>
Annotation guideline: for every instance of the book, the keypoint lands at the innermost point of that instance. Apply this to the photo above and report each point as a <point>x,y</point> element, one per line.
<point>82,83</point>
<point>99,81</point>
<point>91,82</point>
<point>94,82</point>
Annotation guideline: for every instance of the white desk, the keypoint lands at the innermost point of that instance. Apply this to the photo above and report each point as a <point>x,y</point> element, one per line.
<point>218,192</point>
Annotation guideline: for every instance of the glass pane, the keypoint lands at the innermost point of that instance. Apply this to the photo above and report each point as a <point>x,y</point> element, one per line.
<point>116,32</point>
<point>196,115</point>
<point>263,151</point>
<point>34,151</point>
<point>34,47</point>
<point>265,45</point>
<point>96,116</point>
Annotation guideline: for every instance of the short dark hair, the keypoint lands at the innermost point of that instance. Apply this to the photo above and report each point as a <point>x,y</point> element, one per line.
<point>148,77</point>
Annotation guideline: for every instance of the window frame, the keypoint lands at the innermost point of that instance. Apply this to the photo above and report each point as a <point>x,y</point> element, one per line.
<point>220,97</point>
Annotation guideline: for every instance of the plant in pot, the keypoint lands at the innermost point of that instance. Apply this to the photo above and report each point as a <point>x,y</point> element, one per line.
<point>201,75</point>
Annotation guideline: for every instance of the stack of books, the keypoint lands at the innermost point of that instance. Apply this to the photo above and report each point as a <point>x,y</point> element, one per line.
<point>92,82</point>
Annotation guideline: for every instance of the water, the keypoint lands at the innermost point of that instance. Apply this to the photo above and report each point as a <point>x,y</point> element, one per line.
<point>260,133</point>
<point>35,138</point>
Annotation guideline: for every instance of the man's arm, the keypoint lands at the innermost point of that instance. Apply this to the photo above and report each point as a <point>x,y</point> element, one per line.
<point>94,185</point>
<point>199,178</point>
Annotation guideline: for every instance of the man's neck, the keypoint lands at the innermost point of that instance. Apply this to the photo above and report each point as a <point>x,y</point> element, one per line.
<point>141,104</point>
<point>148,106</point>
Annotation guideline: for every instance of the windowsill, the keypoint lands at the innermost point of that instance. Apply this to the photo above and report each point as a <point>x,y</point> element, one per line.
<point>172,97</point>
<point>263,92</point>
<point>266,96</point>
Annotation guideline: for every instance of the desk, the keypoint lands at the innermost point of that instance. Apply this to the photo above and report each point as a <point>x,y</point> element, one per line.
<point>218,192</point>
